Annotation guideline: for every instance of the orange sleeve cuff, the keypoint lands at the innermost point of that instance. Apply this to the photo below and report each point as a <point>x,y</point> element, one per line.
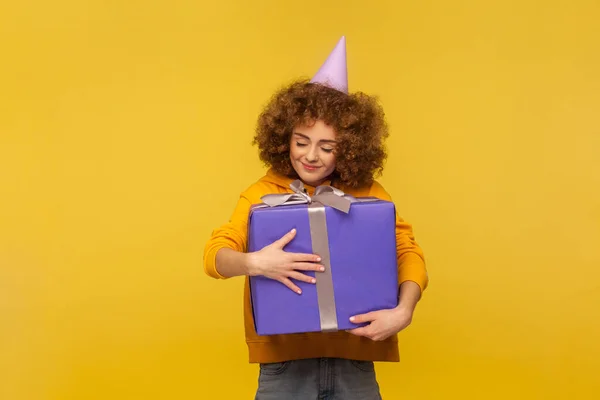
<point>210,262</point>
<point>232,235</point>
<point>411,267</point>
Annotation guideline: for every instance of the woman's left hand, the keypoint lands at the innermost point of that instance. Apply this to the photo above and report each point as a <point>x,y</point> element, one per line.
<point>383,323</point>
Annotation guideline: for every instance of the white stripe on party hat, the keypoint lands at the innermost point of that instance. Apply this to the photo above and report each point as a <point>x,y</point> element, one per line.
<point>334,72</point>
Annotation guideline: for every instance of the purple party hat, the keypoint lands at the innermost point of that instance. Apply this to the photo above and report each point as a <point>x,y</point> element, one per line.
<point>333,72</point>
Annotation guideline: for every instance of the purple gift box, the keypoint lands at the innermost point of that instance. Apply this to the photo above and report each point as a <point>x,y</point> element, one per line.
<point>356,239</point>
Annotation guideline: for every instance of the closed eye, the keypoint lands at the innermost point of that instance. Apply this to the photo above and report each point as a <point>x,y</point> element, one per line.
<point>300,144</point>
<point>327,150</point>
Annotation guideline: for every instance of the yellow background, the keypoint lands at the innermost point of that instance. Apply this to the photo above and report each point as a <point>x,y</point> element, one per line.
<point>125,131</point>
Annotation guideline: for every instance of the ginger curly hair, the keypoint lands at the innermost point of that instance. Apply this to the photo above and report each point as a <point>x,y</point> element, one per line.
<point>358,120</point>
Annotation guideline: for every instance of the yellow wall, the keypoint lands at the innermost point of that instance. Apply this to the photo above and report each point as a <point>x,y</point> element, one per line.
<point>121,121</point>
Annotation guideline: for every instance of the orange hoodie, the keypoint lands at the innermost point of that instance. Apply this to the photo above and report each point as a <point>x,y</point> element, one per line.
<point>278,348</point>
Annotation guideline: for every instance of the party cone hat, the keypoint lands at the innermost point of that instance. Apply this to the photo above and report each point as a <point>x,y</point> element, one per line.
<point>334,72</point>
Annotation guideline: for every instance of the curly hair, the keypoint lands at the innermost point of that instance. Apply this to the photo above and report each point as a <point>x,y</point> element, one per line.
<point>358,120</point>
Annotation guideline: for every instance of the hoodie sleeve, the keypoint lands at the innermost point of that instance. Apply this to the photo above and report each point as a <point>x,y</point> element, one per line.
<point>232,235</point>
<point>411,261</point>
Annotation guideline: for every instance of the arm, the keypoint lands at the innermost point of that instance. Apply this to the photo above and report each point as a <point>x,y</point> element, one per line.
<point>230,263</point>
<point>412,280</point>
<point>411,261</point>
<point>225,254</point>
<point>410,294</point>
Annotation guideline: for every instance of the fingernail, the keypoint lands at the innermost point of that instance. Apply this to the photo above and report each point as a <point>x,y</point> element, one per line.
<point>299,291</point>
<point>293,230</point>
<point>322,269</point>
<point>313,280</point>
<point>318,259</point>
<point>351,318</point>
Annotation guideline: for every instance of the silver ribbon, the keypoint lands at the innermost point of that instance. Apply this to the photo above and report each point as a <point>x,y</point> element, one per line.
<point>323,196</point>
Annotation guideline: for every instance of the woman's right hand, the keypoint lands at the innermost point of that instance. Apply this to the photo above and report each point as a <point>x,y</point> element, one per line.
<point>275,263</point>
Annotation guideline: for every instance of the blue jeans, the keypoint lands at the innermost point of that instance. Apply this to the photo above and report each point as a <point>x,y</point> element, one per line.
<point>318,379</point>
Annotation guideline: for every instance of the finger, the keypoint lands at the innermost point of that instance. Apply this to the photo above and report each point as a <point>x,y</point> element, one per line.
<point>368,317</point>
<point>308,267</point>
<point>302,257</point>
<point>285,239</point>
<point>290,285</point>
<point>302,277</point>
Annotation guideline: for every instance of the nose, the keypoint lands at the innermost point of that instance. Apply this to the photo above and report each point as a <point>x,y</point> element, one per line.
<point>312,156</point>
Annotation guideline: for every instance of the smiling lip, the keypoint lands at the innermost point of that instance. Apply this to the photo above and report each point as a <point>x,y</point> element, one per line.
<point>309,167</point>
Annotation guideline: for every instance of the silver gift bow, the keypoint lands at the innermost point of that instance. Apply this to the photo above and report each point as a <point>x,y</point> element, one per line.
<point>323,196</point>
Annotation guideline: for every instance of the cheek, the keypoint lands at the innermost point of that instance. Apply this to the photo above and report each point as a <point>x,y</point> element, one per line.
<point>294,153</point>
<point>330,160</point>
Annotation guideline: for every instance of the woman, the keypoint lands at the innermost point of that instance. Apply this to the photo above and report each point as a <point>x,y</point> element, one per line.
<point>316,132</point>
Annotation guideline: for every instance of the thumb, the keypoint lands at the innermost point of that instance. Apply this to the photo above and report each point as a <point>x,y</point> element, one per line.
<point>285,239</point>
<point>368,317</point>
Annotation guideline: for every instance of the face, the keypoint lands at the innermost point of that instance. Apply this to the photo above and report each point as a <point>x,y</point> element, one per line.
<point>312,152</point>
